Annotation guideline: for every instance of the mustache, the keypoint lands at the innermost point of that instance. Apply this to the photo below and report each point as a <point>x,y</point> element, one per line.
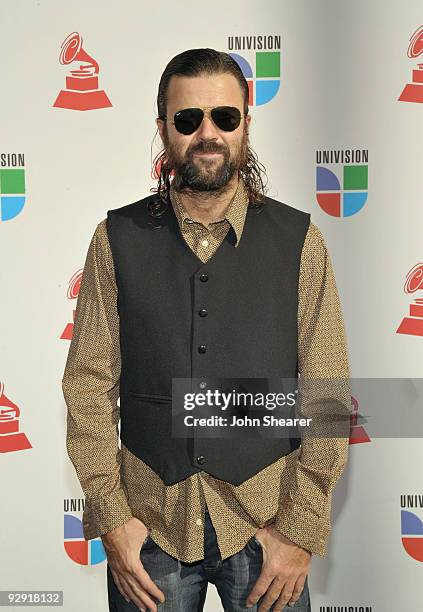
<point>207,147</point>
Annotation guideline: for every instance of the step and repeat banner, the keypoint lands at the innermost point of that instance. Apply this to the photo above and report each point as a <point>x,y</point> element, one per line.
<point>336,97</point>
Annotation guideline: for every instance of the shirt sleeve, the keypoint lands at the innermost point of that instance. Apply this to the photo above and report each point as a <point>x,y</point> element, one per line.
<point>304,512</point>
<point>90,387</point>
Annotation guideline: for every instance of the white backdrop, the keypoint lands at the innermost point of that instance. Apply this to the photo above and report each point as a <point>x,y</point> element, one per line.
<point>343,66</point>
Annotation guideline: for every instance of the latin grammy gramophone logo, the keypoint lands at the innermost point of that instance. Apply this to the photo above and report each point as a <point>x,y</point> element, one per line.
<point>72,294</point>
<point>413,324</point>
<point>82,92</point>
<point>358,434</point>
<point>11,439</point>
<point>413,92</point>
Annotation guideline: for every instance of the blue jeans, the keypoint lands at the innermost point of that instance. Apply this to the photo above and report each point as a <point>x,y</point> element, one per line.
<point>185,584</point>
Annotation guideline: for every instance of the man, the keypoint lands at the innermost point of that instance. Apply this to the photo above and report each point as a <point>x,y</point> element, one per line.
<point>206,278</point>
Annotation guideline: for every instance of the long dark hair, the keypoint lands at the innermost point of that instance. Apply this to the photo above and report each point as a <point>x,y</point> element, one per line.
<point>196,62</point>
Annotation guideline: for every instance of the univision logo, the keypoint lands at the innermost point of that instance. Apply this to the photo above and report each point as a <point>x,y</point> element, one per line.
<point>12,185</point>
<point>412,526</point>
<point>77,548</point>
<point>260,64</point>
<point>342,190</point>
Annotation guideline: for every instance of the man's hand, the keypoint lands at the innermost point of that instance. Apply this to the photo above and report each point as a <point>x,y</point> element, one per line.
<point>123,547</point>
<point>283,573</point>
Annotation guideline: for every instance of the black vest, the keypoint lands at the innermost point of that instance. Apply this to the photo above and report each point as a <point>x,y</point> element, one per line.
<point>250,295</point>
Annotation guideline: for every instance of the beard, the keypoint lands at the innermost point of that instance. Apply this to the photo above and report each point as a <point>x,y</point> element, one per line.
<point>206,175</point>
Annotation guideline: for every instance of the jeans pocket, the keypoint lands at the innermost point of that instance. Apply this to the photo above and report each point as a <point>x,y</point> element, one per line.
<point>257,541</point>
<point>303,602</point>
<point>254,543</point>
<point>148,543</point>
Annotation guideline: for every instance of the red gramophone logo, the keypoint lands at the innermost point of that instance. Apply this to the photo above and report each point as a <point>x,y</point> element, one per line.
<point>11,439</point>
<point>413,92</point>
<point>358,434</point>
<point>82,92</point>
<point>72,294</point>
<point>413,324</point>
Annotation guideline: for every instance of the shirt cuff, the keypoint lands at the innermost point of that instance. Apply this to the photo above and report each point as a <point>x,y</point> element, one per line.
<point>304,528</point>
<point>101,515</point>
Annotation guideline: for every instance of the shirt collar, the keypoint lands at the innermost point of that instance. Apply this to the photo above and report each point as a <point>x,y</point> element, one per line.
<point>235,213</point>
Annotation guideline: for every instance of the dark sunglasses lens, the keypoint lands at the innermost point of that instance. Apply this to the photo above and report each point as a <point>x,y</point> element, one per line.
<point>227,118</point>
<point>188,120</point>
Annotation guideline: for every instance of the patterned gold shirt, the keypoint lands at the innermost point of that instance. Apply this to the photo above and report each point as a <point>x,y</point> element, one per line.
<point>294,493</point>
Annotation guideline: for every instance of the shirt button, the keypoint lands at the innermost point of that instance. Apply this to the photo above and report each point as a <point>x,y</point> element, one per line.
<point>204,243</point>
<point>203,312</point>
<point>204,278</point>
<point>199,521</point>
<point>201,459</point>
<point>202,384</point>
<point>202,348</point>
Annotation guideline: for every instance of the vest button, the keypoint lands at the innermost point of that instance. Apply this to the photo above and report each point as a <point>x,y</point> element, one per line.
<point>201,459</point>
<point>202,348</point>
<point>203,312</point>
<point>204,278</point>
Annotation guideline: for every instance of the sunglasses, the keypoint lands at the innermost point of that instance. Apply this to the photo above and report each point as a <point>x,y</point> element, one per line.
<point>188,120</point>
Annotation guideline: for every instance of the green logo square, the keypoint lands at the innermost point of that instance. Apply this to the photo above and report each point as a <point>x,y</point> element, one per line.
<point>12,180</point>
<point>268,64</point>
<point>355,177</point>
